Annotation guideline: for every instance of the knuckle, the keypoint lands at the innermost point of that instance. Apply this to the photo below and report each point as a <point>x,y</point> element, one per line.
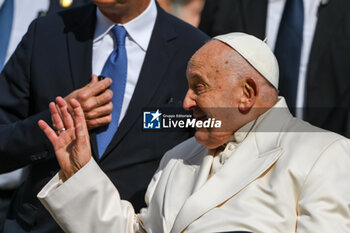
<point>87,106</point>
<point>109,94</point>
<point>109,118</point>
<point>110,107</point>
<point>107,82</point>
<point>98,100</point>
<point>91,123</point>
<point>100,86</point>
<point>83,95</point>
<point>90,115</point>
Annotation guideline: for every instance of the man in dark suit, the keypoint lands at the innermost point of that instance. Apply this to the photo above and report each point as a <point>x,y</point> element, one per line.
<point>326,96</point>
<point>14,24</point>
<point>56,58</point>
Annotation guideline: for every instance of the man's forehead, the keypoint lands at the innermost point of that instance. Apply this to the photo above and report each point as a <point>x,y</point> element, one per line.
<point>210,53</point>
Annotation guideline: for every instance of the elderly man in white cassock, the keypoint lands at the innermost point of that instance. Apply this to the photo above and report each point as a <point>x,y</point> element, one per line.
<point>262,171</point>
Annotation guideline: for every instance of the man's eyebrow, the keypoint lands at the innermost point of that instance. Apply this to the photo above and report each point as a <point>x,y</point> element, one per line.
<point>196,77</point>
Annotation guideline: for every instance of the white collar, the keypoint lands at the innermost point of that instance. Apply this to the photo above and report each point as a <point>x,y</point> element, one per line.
<point>139,29</point>
<point>243,132</point>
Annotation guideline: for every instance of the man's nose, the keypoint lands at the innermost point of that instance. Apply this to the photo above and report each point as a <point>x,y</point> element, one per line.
<point>189,101</point>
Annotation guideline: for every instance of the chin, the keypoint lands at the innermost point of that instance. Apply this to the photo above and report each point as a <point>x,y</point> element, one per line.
<point>208,139</point>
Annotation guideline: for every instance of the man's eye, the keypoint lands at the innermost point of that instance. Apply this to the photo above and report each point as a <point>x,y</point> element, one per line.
<point>198,88</point>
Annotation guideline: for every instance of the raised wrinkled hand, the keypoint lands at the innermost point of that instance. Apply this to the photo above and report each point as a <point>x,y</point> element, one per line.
<point>71,142</point>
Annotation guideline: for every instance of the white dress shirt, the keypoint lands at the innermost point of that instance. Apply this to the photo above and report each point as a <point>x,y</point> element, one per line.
<point>139,31</point>
<point>274,15</point>
<point>224,152</point>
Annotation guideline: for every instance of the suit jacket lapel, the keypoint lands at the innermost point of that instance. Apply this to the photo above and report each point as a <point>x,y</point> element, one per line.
<point>254,14</point>
<point>184,179</point>
<point>244,166</point>
<point>203,170</point>
<point>158,56</point>
<point>80,32</point>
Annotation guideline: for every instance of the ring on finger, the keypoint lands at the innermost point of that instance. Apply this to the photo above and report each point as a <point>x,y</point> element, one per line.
<point>61,130</point>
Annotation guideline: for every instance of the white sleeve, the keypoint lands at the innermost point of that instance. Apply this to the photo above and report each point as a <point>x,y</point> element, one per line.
<point>89,202</point>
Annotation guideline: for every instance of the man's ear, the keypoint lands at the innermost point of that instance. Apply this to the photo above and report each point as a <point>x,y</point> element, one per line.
<point>250,92</point>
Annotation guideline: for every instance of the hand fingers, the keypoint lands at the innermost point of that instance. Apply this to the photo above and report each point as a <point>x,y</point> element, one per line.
<point>79,118</point>
<point>99,111</point>
<point>93,89</point>
<point>50,133</point>
<point>66,117</point>
<point>97,101</point>
<point>82,146</point>
<point>100,86</point>
<point>103,98</point>
<point>53,124</point>
<point>97,122</point>
<point>56,118</point>
<point>82,134</point>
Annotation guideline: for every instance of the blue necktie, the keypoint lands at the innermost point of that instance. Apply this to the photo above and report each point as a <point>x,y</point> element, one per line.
<point>115,68</point>
<point>6,15</point>
<point>288,50</point>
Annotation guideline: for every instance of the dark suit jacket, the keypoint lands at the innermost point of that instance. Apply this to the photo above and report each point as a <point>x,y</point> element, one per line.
<point>53,59</point>
<point>327,96</point>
